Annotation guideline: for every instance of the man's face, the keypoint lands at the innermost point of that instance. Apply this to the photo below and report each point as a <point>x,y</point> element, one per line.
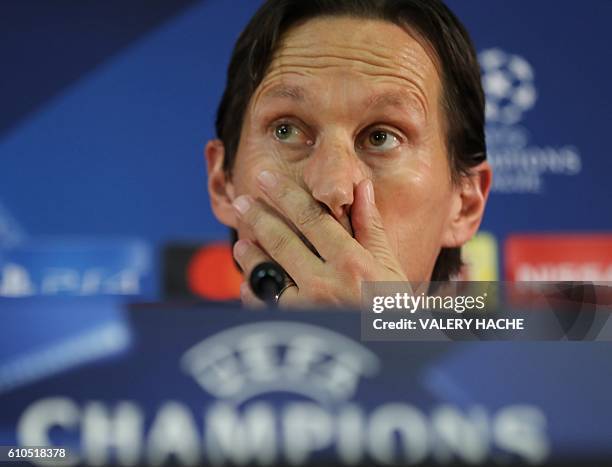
<point>345,100</point>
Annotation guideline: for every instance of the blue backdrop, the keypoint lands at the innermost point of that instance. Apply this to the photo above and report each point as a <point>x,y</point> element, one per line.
<point>106,108</point>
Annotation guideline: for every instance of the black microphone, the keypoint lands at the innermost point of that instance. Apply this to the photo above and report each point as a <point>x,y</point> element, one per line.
<point>267,281</point>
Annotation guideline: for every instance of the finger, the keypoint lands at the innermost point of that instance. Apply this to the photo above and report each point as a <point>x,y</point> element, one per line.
<point>289,298</point>
<point>248,255</point>
<point>308,215</point>
<point>368,226</point>
<point>249,299</point>
<point>277,239</point>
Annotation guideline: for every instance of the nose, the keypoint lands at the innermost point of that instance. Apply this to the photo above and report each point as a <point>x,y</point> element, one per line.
<point>332,172</point>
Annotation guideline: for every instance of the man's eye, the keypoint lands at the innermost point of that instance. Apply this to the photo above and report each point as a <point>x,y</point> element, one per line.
<point>287,132</point>
<point>379,140</point>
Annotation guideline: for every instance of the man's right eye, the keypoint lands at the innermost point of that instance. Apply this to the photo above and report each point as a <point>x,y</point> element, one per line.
<point>289,133</point>
<point>284,131</point>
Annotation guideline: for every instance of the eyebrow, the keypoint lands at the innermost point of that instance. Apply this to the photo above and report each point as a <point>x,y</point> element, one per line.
<point>283,91</point>
<point>396,99</point>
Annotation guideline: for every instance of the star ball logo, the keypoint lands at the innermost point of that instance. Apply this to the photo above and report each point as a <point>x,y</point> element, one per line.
<point>509,83</point>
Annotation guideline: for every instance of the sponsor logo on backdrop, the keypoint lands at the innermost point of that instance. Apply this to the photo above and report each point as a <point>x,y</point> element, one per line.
<point>83,267</point>
<point>17,281</point>
<point>480,259</point>
<point>284,393</point>
<point>559,258</point>
<point>200,270</point>
<point>519,165</point>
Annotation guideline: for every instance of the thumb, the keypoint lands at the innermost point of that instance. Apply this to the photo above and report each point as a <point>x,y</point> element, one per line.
<point>368,227</point>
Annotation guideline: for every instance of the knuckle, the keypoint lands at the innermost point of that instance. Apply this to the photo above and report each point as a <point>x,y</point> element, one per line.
<point>319,289</point>
<point>257,222</point>
<point>279,243</point>
<point>352,265</point>
<point>283,192</point>
<point>253,215</point>
<point>376,224</point>
<point>309,215</point>
<point>252,258</point>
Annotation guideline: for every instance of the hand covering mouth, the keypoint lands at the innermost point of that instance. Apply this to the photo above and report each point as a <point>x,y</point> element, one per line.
<point>344,221</point>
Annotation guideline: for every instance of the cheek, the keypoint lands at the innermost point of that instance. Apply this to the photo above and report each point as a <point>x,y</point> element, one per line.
<point>256,153</point>
<point>421,189</point>
<point>415,206</point>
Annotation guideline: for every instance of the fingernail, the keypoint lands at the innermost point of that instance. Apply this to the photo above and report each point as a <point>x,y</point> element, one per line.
<point>240,247</point>
<point>370,192</point>
<point>267,179</point>
<point>242,204</point>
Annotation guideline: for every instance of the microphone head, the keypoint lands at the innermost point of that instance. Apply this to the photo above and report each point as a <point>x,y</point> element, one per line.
<point>267,280</point>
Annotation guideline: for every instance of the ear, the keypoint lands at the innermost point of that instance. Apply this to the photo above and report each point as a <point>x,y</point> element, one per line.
<point>220,188</point>
<point>468,208</point>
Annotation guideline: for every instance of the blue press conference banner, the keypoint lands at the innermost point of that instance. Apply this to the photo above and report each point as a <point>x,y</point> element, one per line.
<point>213,384</point>
<point>44,336</point>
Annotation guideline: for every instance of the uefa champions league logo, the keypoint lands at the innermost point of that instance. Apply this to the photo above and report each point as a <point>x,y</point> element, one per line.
<point>519,166</point>
<point>507,80</point>
<point>256,359</point>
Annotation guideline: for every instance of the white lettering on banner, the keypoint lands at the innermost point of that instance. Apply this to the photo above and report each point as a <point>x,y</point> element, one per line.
<point>241,438</point>
<point>463,434</point>
<point>105,430</point>
<point>392,421</point>
<point>173,433</point>
<point>307,428</point>
<point>351,434</point>
<point>562,161</point>
<point>60,280</point>
<point>16,281</point>
<point>35,424</point>
<point>564,271</point>
<point>262,433</point>
<point>518,429</point>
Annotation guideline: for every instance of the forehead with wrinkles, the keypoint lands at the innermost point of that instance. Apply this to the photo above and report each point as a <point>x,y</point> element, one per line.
<point>373,51</point>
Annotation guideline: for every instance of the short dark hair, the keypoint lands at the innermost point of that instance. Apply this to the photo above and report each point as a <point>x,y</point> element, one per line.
<point>462,95</point>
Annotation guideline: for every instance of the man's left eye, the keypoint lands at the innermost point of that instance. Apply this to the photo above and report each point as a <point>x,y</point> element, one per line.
<point>379,140</point>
